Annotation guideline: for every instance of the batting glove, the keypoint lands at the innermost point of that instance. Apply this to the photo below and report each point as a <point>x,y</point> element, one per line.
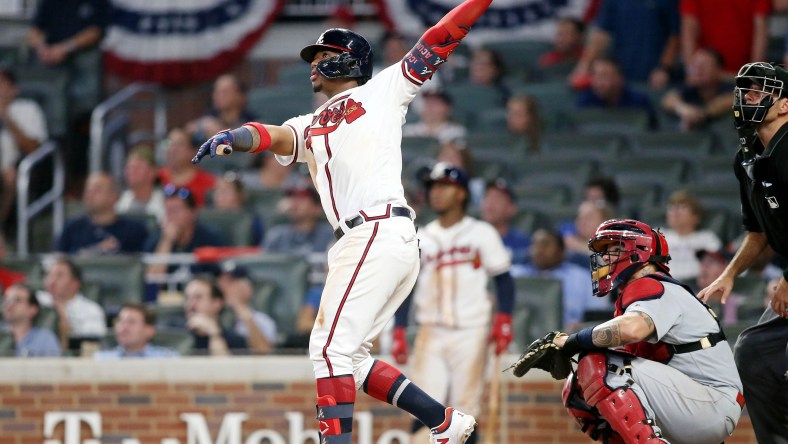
<point>501,333</point>
<point>223,138</point>
<point>399,346</point>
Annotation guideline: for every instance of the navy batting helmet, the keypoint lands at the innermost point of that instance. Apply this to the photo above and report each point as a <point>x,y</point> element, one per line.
<point>446,173</point>
<point>355,60</point>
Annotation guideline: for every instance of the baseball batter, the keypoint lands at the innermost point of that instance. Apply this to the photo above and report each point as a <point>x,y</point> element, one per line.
<point>661,369</point>
<point>352,146</point>
<point>458,256</point>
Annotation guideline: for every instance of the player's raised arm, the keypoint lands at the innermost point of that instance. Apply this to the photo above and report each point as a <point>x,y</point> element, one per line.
<point>251,137</point>
<point>435,46</point>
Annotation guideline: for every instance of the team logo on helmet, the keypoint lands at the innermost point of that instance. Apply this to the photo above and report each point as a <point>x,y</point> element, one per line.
<point>619,248</point>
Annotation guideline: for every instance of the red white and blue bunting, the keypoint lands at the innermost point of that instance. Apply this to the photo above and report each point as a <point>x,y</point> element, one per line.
<point>175,42</point>
<point>503,20</point>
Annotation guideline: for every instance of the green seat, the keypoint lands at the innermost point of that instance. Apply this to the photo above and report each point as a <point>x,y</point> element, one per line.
<point>471,101</point>
<point>716,170</point>
<point>542,197</point>
<point>694,145</point>
<point>119,279</point>
<point>551,170</point>
<point>647,170</point>
<point>235,226</point>
<point>47,318</point>
<point>48,88</point>
<point>753,288</point>
<point>717,220</point>
<point>289,275</point>
<point>7,345</point>
<point>524,53</point>
<point>529,220</point>
<point>24,265</point>
<point>717,195</point>
<point>637,196</point>
<point>538,308</point>
<point>414,147</point>
<point>277,104</point>
<point>554,98</point>
<point>606,121</point>
<point>294,75</point>
<point>595,146</point>
<point>179,340</point>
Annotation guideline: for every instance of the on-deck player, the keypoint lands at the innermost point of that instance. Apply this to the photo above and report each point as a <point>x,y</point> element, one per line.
<point>458,256</point>
<point>661,369</point>
<point>352,146</point>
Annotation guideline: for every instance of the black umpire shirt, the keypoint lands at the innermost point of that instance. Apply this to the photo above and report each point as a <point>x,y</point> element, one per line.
<point>764,192</point>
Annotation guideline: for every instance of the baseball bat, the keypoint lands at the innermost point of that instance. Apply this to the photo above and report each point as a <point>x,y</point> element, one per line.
<point>494,402</point>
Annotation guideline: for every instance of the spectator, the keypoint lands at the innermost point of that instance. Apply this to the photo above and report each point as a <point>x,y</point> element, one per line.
<point>524,118</point>
<point>204,302</point>
<point>66,35</point>
<point>590,214</point>
<point>647,58</point>
<point>487,69</point>
<point>270,174</point>
<point>548,259</point>
<point>180,231</point>
<point>683,218</point>
<point>101,230</point>
<point>610,91</point>
<point>229,194</point>
<point>708,24</point>
<point>705,95</point>
<point>567,43</point>
<point>20,308</point>
<point>711,265</point>
<point>394,48</point>
<point>602,188</point>
<point>8,277</point>
<point>80,319</point>
<point>435,119</point>
<point>135,328</point>
<point>23,128</point>
<point>499,208</point>
<point>179,169</point>
<point>142,195</point>
<point>256,327</point>
<point>306,231</point>
<point>228,110</point>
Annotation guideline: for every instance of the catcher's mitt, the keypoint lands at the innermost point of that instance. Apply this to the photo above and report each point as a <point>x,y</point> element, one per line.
<point>545,355</point>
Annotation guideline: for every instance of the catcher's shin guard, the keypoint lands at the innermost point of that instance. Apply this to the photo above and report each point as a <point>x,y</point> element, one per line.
<point>587,417</point>
<point>619,406</point>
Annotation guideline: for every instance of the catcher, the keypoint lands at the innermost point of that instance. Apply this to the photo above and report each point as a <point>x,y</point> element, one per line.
<point>660,370</point>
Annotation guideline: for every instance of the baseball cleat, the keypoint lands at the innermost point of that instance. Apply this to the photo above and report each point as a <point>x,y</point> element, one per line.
<point>456,428</point>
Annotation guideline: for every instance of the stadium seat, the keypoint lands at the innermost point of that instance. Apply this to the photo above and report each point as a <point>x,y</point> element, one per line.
<point>542,197</point>
<point>647,170</point>
<point>691,146</point>
<point>7,346</point>
<point>554,99</point>
<point>637,196</point>
<point>606,121</point>
<point>118,279</point>
<point>48,88</point>
<point>538,308</point>
<point>235,226</point>
<point>716,170</point>
<point>590,146</point>
<point>414,147</point>
<point>289,274</point>
<point>717,195</point>
<point>527,53</point>
<point>563,170</point>
<point>753,288</point>
<point>294,75</point>
<point>289,102</point>
<point>529,220</point>
<point>717,220</point>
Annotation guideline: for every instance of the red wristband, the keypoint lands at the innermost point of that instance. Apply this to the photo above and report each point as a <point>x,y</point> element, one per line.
<point>265,137</point>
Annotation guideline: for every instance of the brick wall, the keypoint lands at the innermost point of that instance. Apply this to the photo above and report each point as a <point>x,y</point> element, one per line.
<point>145,401</point>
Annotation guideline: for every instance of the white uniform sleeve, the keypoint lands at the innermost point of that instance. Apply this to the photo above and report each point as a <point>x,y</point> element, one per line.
<point>495,257</point>
<point>300,128</point>
<point>395,88</point>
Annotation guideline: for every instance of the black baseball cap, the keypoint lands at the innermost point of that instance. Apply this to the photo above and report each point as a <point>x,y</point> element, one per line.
<point>721,254</point>
<point>501,185</point>
<point>235,270</point>
<point>446,173</point>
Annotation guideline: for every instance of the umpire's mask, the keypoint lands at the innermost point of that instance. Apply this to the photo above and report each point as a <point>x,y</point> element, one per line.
<point>757,84</point>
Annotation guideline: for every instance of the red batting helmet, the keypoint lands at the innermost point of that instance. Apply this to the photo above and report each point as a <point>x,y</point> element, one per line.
<point>638,244</point>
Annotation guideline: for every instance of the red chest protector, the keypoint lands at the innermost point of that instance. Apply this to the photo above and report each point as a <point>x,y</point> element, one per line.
<point>643,289</point>
<point>651,287</point>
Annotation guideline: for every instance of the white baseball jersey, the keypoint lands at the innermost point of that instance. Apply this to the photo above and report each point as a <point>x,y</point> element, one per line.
<point>355,139</point>
<point>455,264</point>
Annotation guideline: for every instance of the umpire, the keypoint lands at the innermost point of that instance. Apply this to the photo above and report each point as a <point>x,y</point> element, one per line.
<point>760,110</point>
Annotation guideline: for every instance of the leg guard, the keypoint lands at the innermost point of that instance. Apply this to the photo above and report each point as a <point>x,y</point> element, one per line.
<point>619,406</point>
<point>335,400</point>
<point>587,417</point>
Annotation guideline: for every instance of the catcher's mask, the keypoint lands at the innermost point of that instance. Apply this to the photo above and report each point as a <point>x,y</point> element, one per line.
<point>619,248</point>
<point>354,61</point>
<point>757,85</point>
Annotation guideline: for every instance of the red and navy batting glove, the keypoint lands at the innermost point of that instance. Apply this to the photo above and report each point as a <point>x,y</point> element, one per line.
<point>399,346</point>
<point>501,333</point>
<point>208,148</point>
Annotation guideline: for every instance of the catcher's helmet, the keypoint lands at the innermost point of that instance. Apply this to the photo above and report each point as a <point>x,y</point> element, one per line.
<point>355,60</point>
<point>639,244</point>
<point>763,81</point>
